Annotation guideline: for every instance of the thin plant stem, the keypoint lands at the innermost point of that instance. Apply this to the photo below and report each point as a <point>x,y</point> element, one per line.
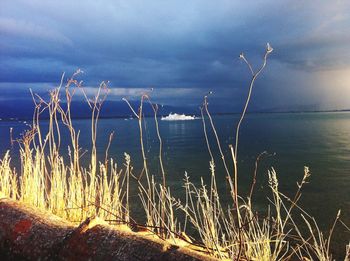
<point>252,81</point>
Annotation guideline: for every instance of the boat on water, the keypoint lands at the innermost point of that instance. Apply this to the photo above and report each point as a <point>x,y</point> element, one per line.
<point>177,117</point>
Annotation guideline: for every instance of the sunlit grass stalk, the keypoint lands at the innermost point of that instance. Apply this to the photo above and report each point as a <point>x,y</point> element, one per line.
<point>149,198</point>
<point>8,178</point>
<point>255,75</point>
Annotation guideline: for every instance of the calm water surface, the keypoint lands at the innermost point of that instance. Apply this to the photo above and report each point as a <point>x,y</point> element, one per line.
<point>320,141</point>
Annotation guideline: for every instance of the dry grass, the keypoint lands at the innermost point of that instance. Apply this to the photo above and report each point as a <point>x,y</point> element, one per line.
<point>62,185</point>
<point>49,181</point>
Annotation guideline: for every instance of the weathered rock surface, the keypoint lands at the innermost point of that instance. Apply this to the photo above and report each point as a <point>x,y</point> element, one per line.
<point>27,233</point>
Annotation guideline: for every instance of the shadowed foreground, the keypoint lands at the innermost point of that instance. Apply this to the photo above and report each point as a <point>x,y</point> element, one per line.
<point>27,233</point>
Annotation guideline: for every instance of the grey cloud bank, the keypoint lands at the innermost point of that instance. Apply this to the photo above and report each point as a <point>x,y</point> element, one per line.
<point>182,49</point>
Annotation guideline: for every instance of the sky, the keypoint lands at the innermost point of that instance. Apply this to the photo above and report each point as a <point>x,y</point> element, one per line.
<point>181,49</point>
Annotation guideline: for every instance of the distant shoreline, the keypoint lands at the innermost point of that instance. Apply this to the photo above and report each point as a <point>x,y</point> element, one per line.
<point>285,112</point>
<point>9,119</point>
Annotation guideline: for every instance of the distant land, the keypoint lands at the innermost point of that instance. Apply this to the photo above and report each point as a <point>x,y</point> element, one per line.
<point>110,109</point>
<point>11,109</point>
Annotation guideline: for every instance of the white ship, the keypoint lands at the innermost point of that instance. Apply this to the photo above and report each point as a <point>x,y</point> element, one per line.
<point>177,117</point>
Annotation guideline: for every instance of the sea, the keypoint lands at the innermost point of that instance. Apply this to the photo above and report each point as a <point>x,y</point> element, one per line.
<point>320,141</point>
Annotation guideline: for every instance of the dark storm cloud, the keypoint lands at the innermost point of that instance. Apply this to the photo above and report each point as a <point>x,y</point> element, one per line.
<point>173,44</point>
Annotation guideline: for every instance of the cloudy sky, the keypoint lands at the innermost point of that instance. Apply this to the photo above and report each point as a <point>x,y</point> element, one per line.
<point>182,49</point>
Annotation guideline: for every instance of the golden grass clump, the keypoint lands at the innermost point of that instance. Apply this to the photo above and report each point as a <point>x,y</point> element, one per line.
<point>8,180</point>
<point>49,181</point>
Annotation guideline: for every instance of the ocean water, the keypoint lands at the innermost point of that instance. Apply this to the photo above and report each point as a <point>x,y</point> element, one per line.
<point>320,141</point>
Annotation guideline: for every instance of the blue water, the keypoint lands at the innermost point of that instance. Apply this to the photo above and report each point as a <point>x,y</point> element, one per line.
<point>320,141</point>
